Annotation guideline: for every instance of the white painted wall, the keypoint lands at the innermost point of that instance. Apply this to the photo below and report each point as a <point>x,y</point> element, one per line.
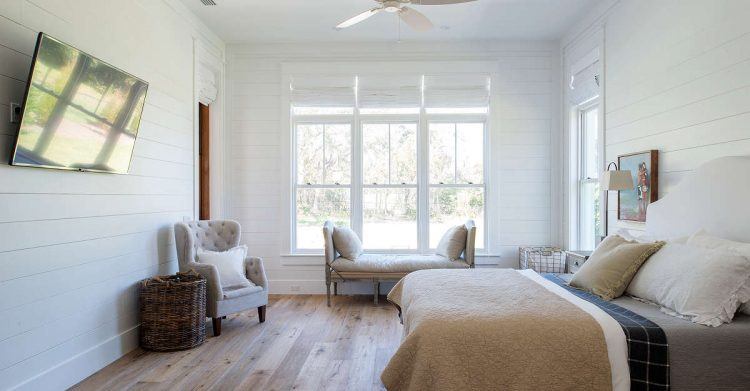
<point>74,245</point>
<point>677,80</point>
<point>525,113</point>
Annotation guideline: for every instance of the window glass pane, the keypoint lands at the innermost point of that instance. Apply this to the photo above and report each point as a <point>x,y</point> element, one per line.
<point>390,218</point>
<point>403,153</point>
<point>590,215</point>
<point>375,155</point>
<point>338,153</point>
<point>590,140</point>
<point>309,153</point>
<point>314,207</point>
<point>470,152</point>
<point>389,153</point>
<point>442,153</point>
<point>453,206</point>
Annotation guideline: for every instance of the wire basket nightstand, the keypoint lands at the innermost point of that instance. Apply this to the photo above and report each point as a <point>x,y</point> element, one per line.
<point>542,259</point>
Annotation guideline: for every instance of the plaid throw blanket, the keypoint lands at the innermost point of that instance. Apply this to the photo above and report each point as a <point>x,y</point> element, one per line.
<point>648,351</point>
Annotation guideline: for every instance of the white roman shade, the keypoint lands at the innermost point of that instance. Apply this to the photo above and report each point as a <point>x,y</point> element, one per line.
<point>207,90</point>
<point>322,91</point>
<point>389,91</point>
<point>460,90</point>
<point>584,84</point>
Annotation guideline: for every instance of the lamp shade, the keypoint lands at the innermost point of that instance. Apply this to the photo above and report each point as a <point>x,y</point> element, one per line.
<point>616,180</point>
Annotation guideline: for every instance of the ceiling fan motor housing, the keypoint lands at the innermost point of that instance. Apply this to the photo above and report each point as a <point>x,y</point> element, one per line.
<point>392,6</point>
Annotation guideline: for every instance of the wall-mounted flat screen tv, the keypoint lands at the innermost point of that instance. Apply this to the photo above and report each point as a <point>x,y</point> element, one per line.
<point>79,113</point>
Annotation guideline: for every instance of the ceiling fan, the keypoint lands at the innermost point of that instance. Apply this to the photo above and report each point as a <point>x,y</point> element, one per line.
<point>410,16</point>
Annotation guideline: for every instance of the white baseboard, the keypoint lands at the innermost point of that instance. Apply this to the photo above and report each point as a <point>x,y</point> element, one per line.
<point>84,364</point>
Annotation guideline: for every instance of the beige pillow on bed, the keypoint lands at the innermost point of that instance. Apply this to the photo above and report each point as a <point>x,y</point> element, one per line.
<point>453,243</point>
<point>612,265</point>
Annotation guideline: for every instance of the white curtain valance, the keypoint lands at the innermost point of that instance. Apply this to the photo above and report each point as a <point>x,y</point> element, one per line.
<point>389,91</point>
<point>322,91</point>
<point>584,85</point>
<point>462,90</point>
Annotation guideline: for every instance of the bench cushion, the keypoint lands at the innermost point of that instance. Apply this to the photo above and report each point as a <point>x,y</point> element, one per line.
<point>390,263</point>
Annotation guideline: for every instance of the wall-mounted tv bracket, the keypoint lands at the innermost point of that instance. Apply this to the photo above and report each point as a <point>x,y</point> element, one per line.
<point>15,113</point>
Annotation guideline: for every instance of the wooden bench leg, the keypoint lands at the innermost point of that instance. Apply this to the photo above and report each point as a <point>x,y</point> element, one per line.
<point>328,293</point>
<point>376,288</point>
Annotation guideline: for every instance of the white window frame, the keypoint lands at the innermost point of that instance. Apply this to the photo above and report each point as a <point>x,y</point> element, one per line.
<point>347,119</point>
<point>456,119</point>
<point>581,111</point>
<point>386,119</point>
<point>357,185</point>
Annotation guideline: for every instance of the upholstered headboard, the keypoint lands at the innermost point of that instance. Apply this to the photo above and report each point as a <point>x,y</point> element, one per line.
<point>715,197</point>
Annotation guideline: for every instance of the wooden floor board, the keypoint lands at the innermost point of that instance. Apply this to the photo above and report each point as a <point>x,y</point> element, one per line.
<point>303,345</point>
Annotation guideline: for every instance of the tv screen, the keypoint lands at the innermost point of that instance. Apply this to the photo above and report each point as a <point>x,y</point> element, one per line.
<point>79,113</point>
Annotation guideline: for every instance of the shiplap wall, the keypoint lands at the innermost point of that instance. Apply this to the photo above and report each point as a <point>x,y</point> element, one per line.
<point>677,80</point>
<point>525,114</point>
<point>74,245</point>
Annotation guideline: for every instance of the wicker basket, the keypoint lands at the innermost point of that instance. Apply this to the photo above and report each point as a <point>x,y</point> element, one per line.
<point>173,311</point>
<point>543,259</point>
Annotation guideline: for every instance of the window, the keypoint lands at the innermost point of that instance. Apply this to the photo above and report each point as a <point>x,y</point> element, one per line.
<point>383,162</point>
<point>323,180</point>
<point>389,194</point>
<point>456,177</point>
<point>589,205</point>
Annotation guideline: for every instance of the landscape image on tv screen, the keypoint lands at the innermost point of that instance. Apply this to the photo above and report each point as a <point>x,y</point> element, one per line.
<point>80,113</point>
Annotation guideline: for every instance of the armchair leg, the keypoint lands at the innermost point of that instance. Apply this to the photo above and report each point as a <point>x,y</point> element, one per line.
<point>376,289</point>
<point>328,293</point>
<point>335,288</point>
<point>262,313</point>
<point>217,326</point>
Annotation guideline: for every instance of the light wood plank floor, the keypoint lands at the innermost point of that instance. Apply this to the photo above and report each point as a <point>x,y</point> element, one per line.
<point>303,345</point>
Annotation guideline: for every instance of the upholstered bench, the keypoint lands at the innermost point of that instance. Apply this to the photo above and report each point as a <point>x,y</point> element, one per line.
<point>378,267</point>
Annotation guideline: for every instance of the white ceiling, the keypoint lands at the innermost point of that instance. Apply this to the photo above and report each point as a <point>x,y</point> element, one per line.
<point>238,21</point>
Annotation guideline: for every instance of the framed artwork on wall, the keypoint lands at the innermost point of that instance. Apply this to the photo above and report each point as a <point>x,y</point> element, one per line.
<point>644,168</point>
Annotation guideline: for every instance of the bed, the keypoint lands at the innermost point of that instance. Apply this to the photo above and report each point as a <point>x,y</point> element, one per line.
<point>519,330</point>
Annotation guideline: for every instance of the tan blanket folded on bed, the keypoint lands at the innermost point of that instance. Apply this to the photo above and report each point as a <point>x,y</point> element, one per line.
<point>492,330</point>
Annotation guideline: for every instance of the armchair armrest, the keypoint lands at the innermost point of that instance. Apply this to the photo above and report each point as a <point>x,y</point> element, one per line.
<point>255,272</point>
<point>211,274</point>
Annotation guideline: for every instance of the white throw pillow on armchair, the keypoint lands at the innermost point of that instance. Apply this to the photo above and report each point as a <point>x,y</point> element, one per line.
<point>230,263</point>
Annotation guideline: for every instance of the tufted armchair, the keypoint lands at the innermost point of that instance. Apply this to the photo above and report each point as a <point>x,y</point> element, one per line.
<point>221,235</point>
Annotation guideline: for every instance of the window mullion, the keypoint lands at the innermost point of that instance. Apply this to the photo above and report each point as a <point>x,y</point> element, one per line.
<point>455,153</point>
<point>423,191</point>
<point>357,178</point>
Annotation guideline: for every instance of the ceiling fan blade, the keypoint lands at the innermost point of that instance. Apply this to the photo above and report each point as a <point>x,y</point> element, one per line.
<point>415,19</point>
<point>356,19</point>
<point>439,2</point>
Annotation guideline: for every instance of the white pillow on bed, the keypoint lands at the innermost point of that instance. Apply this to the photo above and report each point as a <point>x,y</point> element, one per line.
<point>704,240</point>
<point>644,237</point>
<point>703,285</point>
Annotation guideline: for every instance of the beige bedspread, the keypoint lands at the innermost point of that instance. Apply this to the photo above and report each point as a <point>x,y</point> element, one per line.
<point>492,330</point>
